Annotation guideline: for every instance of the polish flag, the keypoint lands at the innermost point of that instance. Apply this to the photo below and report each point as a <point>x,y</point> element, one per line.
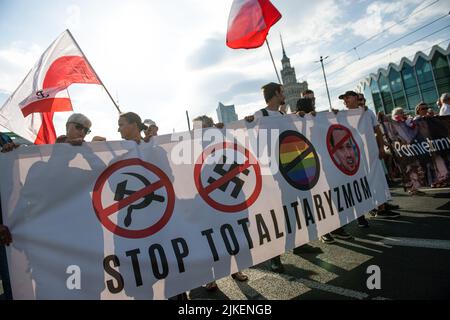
<point>249,23</point>
<point>28,112</point>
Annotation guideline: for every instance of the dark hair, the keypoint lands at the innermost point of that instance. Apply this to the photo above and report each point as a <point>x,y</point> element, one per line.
<point>270,90</point>
<point>132,117</point>
<point>207,122</point>
<point>305,105</point>
<point>307,91</point>
<point>421,103</point>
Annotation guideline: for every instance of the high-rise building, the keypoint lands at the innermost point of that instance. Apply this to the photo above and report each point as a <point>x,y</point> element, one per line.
<point>226,114</point>
<point>292,88</point>
<point>424,78</point>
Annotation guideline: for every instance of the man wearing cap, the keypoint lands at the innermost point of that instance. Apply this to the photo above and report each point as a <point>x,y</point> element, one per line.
<point>353,100</point>
<point>445,104</point>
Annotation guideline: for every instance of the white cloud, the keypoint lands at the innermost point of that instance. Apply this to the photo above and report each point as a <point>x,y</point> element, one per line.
<point>15,61</point>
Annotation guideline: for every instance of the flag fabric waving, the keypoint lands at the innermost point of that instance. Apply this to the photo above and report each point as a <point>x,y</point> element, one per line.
<point>29,110</point>
<point>249,23</point>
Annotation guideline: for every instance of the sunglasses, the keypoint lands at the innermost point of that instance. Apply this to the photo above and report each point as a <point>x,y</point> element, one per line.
<point>81,127</point>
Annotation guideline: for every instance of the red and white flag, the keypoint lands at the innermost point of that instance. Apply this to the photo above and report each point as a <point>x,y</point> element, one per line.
<point>249,23</point>
<point>29,110</point>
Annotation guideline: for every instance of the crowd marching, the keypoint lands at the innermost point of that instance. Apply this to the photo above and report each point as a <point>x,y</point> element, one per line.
<point>131,127</point>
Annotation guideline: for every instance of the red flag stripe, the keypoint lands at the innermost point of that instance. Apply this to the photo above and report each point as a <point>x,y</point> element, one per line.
<point>47,132</point>
<point>48,105</point>
<point>67,70</point>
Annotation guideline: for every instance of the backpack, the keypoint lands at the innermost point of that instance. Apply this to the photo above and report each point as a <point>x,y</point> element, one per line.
<point>265,113</point>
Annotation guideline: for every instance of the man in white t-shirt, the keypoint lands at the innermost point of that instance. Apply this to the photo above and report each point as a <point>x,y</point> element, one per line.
<point>384,209</point>
<point>445,105</point>
<point>274,97</point>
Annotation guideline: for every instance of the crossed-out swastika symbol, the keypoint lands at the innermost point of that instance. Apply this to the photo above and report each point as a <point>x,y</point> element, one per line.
<point>238,183</point>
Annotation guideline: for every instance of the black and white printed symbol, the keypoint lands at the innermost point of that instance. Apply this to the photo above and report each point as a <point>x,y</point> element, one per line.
<point>238,183</point>
<point>121,191</point>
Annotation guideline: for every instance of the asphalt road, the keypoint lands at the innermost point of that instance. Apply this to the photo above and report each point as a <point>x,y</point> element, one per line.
<point>412,253</point>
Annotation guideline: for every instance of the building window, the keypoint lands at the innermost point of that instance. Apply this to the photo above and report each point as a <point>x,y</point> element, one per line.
<point>385,93</point>
<point>410,85</point>
<point>441,72</point>
<point>376,96</point>
<point>426,82</point>
<point>369,99</point>
<point>397,89</point>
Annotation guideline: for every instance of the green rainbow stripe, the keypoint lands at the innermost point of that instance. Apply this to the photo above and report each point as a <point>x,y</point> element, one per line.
<point>288,157</point>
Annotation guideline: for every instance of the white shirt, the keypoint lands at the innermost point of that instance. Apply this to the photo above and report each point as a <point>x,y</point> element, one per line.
<point>372,117</point>
<point>259,114</point>
<point>445,110</point>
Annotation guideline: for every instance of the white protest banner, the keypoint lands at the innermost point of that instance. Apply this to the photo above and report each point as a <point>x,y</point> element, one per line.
<point>118,220</point>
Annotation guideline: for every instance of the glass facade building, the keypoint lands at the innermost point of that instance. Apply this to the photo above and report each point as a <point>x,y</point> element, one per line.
<point>406,84</point>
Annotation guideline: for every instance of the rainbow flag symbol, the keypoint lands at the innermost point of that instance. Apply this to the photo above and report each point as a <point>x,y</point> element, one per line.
<point>298,163</point>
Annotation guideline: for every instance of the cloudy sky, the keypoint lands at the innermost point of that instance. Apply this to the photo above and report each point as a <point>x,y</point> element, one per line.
<point>161,58</point>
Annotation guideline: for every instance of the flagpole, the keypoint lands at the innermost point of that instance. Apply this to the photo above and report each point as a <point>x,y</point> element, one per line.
<point>274,66</point>
<point>189,123</point>
<point>325,78</point>
<point>101,82</point>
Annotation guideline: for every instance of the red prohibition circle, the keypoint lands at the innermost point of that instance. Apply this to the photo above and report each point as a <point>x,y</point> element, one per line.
<point>349,135</point>
<point>251,162</point>
<point>103,213</point>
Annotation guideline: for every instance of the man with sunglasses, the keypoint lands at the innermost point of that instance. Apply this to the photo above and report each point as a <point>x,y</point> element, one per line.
<point>77,127</point>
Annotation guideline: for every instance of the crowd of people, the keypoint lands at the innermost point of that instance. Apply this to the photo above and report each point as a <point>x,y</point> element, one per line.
<point>132,128</point>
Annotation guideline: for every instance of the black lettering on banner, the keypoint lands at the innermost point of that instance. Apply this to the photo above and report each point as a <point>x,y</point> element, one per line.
<point>165,267</point>
<point>180,253</point>
<point>223,231</point>
<point>135,262</point>
<point>307,212</point>
<point>357,191</point>
<point>329,201</point>
<point>243,223</point>
<point>366,188</point>
<point>297,216</point>
<point>288,221</point>
<point>207,233</point>
<point>336,190</point>
<point>319,208</point>
<point>113,273</point>
<point>263,234</point>
<point>278,234</point>
<point>348,196</point>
